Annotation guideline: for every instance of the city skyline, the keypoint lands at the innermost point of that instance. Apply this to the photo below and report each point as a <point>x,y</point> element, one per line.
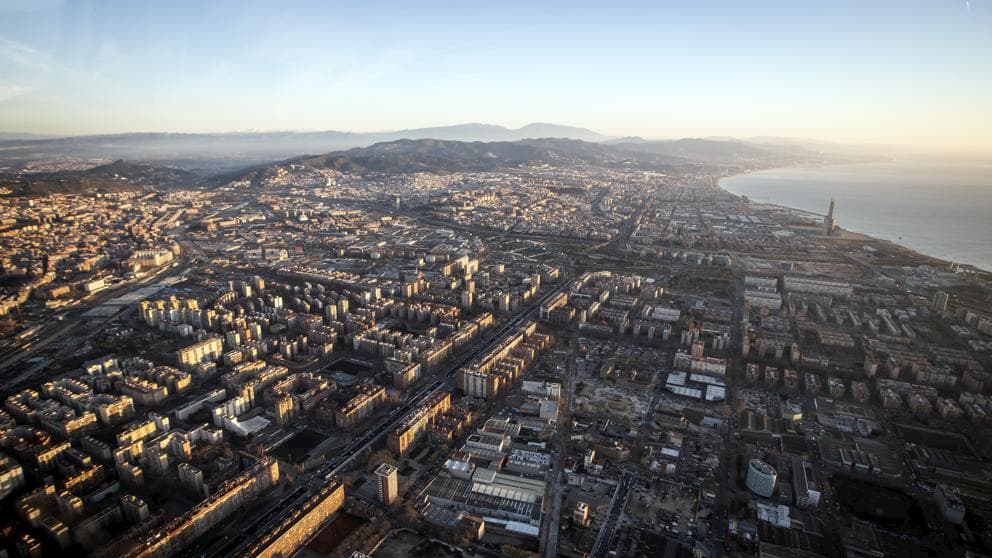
<point>844,72</point>
<point>368,279</point>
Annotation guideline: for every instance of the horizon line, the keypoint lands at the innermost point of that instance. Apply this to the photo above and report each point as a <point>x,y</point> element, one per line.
<point>759,138</point>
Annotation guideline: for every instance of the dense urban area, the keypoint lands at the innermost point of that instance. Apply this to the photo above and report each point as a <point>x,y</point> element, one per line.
<point>453,349</point>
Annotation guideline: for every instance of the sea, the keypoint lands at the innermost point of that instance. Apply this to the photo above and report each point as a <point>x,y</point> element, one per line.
<point>942,210</point>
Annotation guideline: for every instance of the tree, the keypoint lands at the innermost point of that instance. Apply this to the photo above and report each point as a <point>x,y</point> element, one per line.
<point>516,552</point>
<point>382,456</point>
<point>463,537</point>
<point>409,514</point>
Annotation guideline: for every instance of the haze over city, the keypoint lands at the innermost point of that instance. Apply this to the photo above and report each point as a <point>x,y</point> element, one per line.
<point>484,280</point>
<point>898,73</point>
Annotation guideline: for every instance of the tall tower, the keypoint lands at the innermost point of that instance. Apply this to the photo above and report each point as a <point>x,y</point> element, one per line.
<point>829,222</point>
<point>939,303</point>
<point>386,483</point>
<point>697,349</point>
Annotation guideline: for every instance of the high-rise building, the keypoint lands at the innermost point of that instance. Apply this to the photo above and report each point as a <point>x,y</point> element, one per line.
<point>829,221</point>
<point>192,478</point>
<point>804,484</point>
<point>208,350</point>
<point>415,423</point>
<point>284,408</point>
<point>697,349</point>
<point>387,483</point>
<point>287,536</point>
<point>11,475</point>
<point>369,398</point>
<point>181,532</point>
<point>580,515</point>
<point>939,303</point>
<point>134,508</point>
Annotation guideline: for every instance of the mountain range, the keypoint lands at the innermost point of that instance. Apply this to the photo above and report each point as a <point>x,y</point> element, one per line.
<point>119,176</point>
<point>432,155</point>
<point>185,159</point>
<point>237,149</point>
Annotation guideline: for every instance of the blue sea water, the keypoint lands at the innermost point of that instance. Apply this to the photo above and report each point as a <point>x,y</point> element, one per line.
<point>942,210</point>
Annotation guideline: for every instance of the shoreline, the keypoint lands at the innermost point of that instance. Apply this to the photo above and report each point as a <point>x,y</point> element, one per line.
<point>901,247</point>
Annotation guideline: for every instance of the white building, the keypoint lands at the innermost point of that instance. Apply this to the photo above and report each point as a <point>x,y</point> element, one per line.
<point>761,478</point>
<point>804,484</point>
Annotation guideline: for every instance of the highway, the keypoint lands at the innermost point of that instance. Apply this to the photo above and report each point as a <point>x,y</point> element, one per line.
<point>51,333</point>
<point>727,471</point>
<point>33,342</point>
<point>265,521</point>
<point>549,539</point>
<point>604,539</point>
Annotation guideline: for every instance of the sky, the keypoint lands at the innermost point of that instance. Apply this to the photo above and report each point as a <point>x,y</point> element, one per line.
<point>899,72</point>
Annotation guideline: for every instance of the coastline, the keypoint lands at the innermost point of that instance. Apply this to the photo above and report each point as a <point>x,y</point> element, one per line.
<point>926,259</point>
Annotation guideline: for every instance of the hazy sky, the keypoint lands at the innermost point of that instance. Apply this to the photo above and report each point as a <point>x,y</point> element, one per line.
<point>901,71</point>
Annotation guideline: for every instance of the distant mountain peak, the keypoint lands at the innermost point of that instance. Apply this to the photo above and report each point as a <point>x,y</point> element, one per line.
<point>231,152</point>
<point>627,139</point>
<point>547,129</point>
